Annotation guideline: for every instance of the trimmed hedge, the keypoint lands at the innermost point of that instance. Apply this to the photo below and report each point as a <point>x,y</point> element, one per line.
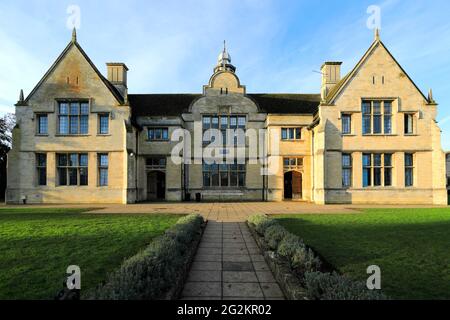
<point>157,269</point>
<point>306,265</point>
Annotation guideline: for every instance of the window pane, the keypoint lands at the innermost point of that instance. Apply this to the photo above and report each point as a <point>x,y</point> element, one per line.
<point>291,134</point>
<point>215,179</point>
<point>377,177</point>
<point>284,134</point>
<point>367,160</point>
<point>83,160</point>
<point>74,109</point>
<point>409,177</point>
<point>241,178</point>
<point>298,133</point>
<point>83,176</point>
<point>387,107</point>
<point>233,179</point>
<point>346,160</point>
<point>377,160</point>
<point>41,160</point>
<point>224,179</point>
<point>73,160</point>
<point>206,179</point>
<point>73,125</point>
<point>206,122</point>
<point>387,124</point>
<point>73,177</point>
<point>241,122</point>
<point>104,124</point>
<point>84,124</point>
<point>103,177</point>
<point>215,122</point>
<point>158,134</point>
<point>366,107</point>
<point>376,107</point>
<point>408,159</point>
<point>388,160</point>
<point>103,160</point>
<point>224,122</point>
<point>62,174</point>
<point>63,108</point>
<point>233,122</point>
<point>387,177</point>
<point>367,128</point>
<point>409,123</point>
<point>43,124</point>
<point>376,124</point>
<point>63,125</point>
<point>346,177</point>
<point>62,160</point>
<point>367,181</point>
<point>346,124</point>
<point>151,134</point>
<point>42,176</point>
<point>165,135</point>
<point>85,108</point>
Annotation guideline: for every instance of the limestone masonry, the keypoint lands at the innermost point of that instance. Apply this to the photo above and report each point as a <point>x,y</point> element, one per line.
<point>369,137</point>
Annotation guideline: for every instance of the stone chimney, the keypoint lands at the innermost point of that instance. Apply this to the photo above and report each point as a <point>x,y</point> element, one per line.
<point>331,75</point>
<point>117,75</point>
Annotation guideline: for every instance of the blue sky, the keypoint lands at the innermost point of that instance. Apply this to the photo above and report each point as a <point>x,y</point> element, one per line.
<point>172,46</point>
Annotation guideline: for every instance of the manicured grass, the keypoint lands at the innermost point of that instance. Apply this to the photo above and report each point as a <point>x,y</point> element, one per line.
<point>37,246</point>
<point>411,246</point>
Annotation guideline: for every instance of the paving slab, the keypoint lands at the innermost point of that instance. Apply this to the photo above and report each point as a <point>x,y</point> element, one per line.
<point>229,265</point>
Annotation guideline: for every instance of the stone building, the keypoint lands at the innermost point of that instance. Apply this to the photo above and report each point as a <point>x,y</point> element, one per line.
<point>367,137</point>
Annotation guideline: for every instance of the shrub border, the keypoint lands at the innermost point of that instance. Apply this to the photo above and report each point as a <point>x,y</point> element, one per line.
<point>174,292</point>
<point>289,283</point>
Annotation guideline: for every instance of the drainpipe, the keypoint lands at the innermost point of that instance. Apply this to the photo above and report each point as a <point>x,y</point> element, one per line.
<point>312,175</point>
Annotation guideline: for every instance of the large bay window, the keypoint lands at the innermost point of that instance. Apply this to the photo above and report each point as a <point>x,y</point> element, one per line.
<point>73,118</point>
<point>224,175</point>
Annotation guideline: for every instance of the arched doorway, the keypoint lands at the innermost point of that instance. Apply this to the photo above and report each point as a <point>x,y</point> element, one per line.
<point>156,186</point>
<point>293,185</point>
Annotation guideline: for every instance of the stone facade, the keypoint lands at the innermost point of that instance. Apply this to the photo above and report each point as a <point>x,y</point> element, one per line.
<point>113,147</point>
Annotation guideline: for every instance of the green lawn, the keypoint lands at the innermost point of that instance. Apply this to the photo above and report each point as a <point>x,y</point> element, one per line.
<point>411,246</point>
<point>37,245</point>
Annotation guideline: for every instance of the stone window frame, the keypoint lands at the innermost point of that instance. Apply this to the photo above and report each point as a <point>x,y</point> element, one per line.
<point>409,168</point>
<point>151,134</point>
<point>38,117</point>
<point>79,167</point>
<point>347,167</point>
<point>99,123</point>
<point>378,168</point>
<point>346,115</point>
<point>407,124</point>
<point>103,167</point>
<point>372,114</point>
<point>297,134</point>
<point>41,168</point>
<point>73,115</point>
<point>238,171</point>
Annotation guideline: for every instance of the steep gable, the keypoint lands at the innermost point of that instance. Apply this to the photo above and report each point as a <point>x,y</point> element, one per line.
<point>71,72</point>
<point>386,69</point>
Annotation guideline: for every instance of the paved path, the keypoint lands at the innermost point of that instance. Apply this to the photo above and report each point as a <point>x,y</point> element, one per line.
<point>229,266</point>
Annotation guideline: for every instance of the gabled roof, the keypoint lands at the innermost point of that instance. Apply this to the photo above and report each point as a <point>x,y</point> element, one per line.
<point>334,92</point>
<point>175,104</point>
<point>108,84</point>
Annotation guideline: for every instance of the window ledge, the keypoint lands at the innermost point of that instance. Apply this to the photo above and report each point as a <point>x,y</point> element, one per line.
<point>41,135</point>
<point>411,135</point>
<point>348,135</point>
<point>149,140</point>
<point>72,135</point>
<point>104,134</point>
<point>379,135</point>
<point>292,140</point>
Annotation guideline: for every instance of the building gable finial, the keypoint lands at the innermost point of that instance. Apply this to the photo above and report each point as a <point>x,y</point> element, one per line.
<point>377,34</point>
<point>21,97</point>
<point>74,35</point>
<point>430,96</point>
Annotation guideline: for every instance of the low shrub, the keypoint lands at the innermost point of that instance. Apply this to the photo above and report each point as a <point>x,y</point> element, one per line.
<point>289,244</point>
<point>151,273</point>
<point>332,286</point>
<point>304,260</point>
<point>274,234</point>
<point>261,222</point>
